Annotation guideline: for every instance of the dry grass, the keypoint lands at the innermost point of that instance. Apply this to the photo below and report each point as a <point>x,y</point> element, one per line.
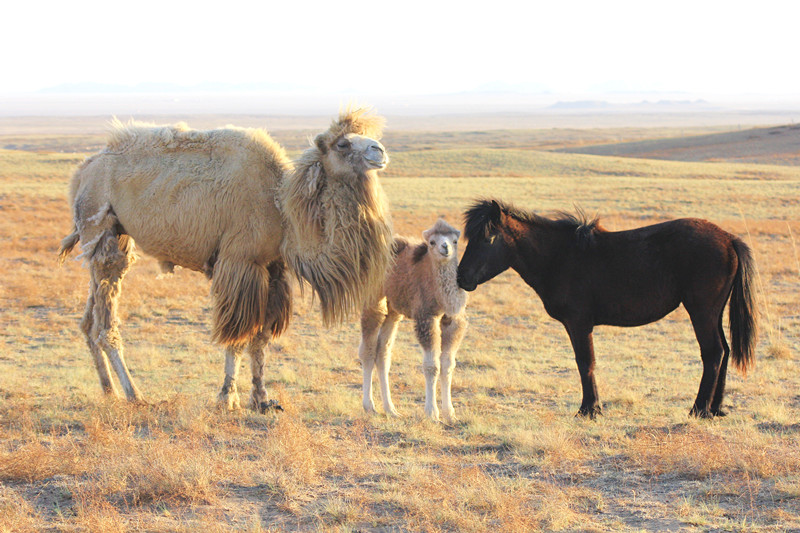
<point>71,460</point>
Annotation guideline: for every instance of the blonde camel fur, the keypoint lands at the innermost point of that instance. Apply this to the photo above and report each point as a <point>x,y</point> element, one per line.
<point>422,286</point>
<point>229,203</point>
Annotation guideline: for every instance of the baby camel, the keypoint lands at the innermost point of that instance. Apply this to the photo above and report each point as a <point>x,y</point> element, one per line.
<point>422,285</point>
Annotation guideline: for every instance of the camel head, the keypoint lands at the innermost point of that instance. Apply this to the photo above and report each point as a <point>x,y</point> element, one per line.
<point>339,231</point>
<point>349,147</point>
<point>442,240</point>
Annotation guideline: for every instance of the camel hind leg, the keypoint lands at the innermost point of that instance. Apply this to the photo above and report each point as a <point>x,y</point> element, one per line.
<point>100,359</point>
<point>109,261</point>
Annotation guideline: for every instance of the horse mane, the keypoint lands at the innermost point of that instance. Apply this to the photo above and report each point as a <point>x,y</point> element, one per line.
<point>483,218</point>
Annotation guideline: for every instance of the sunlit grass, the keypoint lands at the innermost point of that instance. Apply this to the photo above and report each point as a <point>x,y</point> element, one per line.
<point>516,461</point>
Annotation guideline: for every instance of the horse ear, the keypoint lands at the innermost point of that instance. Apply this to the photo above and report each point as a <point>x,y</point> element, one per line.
<point>496,211</point>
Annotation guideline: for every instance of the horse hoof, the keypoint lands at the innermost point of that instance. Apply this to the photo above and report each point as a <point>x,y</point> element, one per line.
<point>701,413</point>
<point>270,405</point>
<point>589,412</point>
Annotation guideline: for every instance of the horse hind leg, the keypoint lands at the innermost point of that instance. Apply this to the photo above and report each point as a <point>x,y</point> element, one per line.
<point>110,259</point>
<point>719,391</point>
<point>712,345</point>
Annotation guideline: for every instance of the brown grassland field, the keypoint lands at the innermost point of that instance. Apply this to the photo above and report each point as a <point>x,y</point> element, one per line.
<point>517,460</point>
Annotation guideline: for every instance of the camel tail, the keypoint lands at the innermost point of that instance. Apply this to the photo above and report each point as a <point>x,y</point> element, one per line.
<point>743,313</point>
<point>67,244</point>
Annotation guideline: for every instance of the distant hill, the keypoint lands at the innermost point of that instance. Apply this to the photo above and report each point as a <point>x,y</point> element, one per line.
<point>774,145</point>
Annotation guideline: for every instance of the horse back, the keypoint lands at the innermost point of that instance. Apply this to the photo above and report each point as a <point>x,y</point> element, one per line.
<point>634,277</point>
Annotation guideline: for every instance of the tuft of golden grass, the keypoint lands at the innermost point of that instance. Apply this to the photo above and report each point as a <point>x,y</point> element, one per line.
<point>516,461</point>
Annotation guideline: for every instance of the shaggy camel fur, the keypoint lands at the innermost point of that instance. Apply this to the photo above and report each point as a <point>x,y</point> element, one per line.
<point>229,203</point>
<point>422,285</point>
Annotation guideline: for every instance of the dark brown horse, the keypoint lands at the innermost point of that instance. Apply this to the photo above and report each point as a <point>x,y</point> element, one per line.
<point>588,276</point>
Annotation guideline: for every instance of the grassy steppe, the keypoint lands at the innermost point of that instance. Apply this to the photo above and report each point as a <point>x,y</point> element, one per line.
<point>71,460</point>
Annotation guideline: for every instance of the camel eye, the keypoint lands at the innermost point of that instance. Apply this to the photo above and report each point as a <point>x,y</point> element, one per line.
<point>343,144</point>
<point>433,243</point>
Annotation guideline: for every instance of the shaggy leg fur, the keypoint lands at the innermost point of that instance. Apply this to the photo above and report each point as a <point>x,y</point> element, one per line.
<point>258,397</point>
<point>100,359</point>
<point>279,310</point>
<point>110,260</point>
<point>429,334</point>
<point>229,395</point>
<point>383,359</point>
<point>371,320</point>
<point>453,330</point>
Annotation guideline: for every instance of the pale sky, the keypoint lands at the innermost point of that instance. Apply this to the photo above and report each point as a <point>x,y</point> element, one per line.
<point>407,47</point>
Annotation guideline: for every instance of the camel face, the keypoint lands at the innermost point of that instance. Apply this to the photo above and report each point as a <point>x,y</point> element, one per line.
<point>443,247</point>
<point>442,240</point>
<point>371,152</point>
<point>351,153</point>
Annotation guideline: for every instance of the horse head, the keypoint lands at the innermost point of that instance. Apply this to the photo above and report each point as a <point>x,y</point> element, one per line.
<point>487,253</point>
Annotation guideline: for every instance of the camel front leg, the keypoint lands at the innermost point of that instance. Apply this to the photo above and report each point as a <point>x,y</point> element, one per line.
<point>229,395</point>
<point>453,330</point>
<point>429,335</point>
<point>258,397</point>
<point>371,320</point>
<point>383,359</point>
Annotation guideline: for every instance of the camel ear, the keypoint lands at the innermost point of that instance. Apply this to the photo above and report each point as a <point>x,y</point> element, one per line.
<point>319,142</point>
<point>314,177</point>
<point>458,234</point>
<point>427,233</point>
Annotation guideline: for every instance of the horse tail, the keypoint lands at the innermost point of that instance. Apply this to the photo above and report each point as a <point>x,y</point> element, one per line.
<point>67,244</point>
<point>742,312</point>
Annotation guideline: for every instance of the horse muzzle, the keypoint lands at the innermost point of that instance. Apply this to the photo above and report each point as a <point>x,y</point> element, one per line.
<point>466,285</point>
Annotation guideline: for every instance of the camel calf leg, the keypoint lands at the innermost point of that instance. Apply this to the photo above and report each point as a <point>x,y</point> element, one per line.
<point>453,330</point>
<point>429,335</point>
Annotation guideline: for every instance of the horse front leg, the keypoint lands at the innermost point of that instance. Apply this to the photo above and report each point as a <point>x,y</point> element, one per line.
<point>581,338</point>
